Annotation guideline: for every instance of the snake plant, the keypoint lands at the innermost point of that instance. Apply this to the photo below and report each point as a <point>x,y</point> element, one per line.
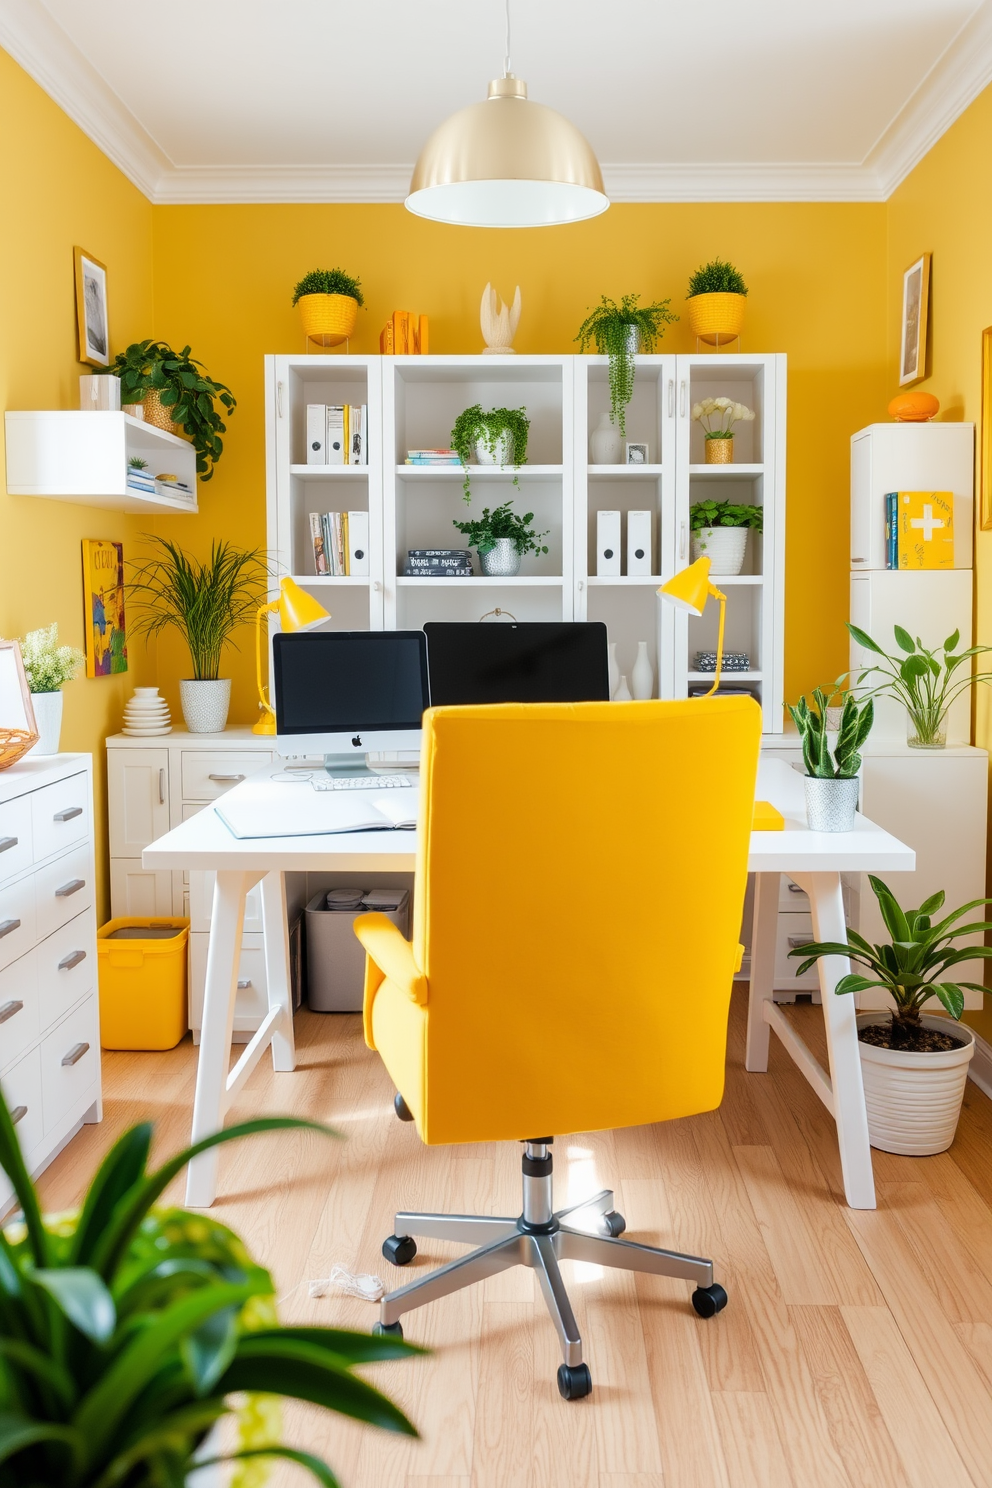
<point>855,726</point>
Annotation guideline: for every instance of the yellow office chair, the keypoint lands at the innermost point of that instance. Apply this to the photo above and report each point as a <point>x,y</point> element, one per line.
<point>579,885</point>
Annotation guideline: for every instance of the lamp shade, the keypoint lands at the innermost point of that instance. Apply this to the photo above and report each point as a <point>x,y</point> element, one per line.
<point>507,162</point>
<point>298,610</point>
<point>690,588</point>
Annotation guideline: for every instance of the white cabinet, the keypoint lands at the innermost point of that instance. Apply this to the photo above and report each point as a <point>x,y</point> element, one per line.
<point>138,891</point>
<point>909,457</point>
<point>49,1013</point>
<point>82,456</point>
<point>138,785</point>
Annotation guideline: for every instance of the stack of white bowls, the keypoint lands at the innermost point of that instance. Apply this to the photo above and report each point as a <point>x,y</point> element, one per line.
<point>146,713</point>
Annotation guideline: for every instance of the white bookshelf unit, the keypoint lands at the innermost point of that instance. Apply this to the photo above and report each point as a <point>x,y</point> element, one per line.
<point>82,457</point>
<point>413,403</point>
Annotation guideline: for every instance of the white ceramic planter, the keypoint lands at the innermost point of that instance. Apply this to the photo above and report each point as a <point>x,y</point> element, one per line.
<point>205,705</point>
<point>914,1100</point>
<point>831,804</point>
<point>48,716</point>
<point>502,561</point>
<point>723,546</point>
<point>500,454</point>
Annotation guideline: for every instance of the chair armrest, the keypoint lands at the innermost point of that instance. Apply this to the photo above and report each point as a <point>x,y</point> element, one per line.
<point>740,959</point>
<point>392,955</point>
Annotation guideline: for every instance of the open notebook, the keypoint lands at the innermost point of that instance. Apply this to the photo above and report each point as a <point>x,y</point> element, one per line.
<point>267,808</point>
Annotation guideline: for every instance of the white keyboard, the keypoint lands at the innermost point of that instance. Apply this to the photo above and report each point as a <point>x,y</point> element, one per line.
<point>359,782</point>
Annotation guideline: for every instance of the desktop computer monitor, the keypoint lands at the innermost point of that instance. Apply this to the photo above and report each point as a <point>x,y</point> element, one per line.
<point>343,693</point>
<point>537,662</point>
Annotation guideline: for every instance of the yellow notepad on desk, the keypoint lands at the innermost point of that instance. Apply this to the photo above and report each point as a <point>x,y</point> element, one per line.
<point>766,818</point>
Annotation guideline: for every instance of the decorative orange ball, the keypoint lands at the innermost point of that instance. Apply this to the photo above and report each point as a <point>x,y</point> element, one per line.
<point>914,408</point>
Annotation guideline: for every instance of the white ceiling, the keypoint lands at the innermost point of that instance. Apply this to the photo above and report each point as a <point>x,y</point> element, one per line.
<point>321,100</point>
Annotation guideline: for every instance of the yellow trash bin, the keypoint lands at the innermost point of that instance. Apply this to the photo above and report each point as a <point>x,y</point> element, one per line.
<point>142,965</point>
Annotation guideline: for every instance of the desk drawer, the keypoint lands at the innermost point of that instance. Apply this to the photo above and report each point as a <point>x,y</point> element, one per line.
<point>208,774</point>
<point>15,837</point>
<point>66,966</point>
<point>793,930</point>
<point>18,920</point>
<point>60,815</point>
<point>19,1015</point>
<point>22,1092</point>
<point>70,1061</point>
<point>252,1001</point>
<point>64,889</point>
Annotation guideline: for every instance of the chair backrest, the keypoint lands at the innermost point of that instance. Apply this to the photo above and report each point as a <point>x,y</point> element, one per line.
<point>580,884</point>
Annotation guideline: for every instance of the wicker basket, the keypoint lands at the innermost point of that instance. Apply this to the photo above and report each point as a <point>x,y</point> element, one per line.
<point>14,745</point>
<point>156,413</point>
<point>716,318</point>
<point>328,319</point>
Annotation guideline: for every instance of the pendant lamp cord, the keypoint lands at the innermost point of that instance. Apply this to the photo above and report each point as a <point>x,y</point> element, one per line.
<point>506,54</point>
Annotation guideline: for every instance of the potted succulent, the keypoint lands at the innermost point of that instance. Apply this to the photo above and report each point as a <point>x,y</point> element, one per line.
<point>328,301</point>
<point>924,682</point>
<point>831,780</point>
<point>718,417</point>
<point>719,532</point>
<point>494,437</point>
<point>501,537</point>
<point>206,602</point>
<point>177,395</point>
<point>716,296</point>
<point>914,1067</point>
<point>128,1331</point>
<point>48,667</point>
<point>620,332</point>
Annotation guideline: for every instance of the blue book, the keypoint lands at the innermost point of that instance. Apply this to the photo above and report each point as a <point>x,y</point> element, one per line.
<point>891,530</point>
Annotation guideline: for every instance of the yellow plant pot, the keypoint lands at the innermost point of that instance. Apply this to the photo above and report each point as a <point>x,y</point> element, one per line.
<point>716,318</point>
<point>720,451</point>
<point>328,319</point>
<point>156,413</point>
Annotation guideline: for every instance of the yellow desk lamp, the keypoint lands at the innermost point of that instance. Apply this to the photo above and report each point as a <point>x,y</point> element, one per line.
<point>298,610</point>
<point>689,590</point>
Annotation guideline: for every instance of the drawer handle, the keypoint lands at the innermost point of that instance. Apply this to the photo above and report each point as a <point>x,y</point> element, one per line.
<point>6,843</point>
<point>7,926</point>
<point>226,779</point>
<point>73,959</point>
<point>9,1009</point>
<point>75,1054</point>
<point>161,787</point>
<point>68,813</point>
<point>18,1114</point>
<point>72,887</point>
<point>796,942</point>
<point>795,889</point>
<point>243,982</point>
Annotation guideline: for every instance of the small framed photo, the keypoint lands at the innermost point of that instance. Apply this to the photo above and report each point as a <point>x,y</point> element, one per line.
<point>92,325</point>
<point>16,711</point>
<point>637,454</point>
<point>915,301</point>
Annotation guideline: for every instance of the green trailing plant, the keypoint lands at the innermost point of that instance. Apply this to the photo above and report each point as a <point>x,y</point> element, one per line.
<point>483,533</point>
<point>185,389</point>
<point>913,967</point>
<point>329,281</point>
<point>124,1330</point>
<point>855,726</point>
<point>47,665</point>
<point>609,326</point>
<point>478,426</point>
<point>725,514</point>
<point>716,277</point>
<point>925,682</point>
<point>206,601</point>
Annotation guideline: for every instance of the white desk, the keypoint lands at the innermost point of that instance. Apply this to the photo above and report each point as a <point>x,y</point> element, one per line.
<point>814,860</point>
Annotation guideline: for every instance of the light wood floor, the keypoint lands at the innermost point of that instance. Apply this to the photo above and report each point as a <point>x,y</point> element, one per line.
<point>856,1349</point>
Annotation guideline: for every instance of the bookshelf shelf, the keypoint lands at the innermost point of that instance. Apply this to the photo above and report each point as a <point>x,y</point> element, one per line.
<point>726,472</point>
<point>484,581</point>
<point>332,581</point>
<point>624,472</point>
<point>726,676</point>
<point>477,472</point>
<point>329,472</point>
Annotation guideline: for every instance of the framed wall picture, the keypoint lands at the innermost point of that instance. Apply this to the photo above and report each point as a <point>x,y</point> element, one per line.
<point>985,434</point>
<point>104,632</point>
<point>92,324</point>
<point>16,710</point>
<point>915,303</point>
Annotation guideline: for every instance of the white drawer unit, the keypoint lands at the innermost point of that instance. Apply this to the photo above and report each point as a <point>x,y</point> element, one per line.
<point>49,1018</point>
<point>207,775</point>
<point>251,1003</point>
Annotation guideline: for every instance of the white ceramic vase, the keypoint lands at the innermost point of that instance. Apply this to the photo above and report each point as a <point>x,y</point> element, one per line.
<point>642,674</point>
<point>500,454</point>
<point>614,670</point>
<point>723,546</point>
<point>605,443</point>
<point>205,705</point>
<point>622,694</point>
<point>914,1100</point>
<point>145,713</point>
<point>48,716</point>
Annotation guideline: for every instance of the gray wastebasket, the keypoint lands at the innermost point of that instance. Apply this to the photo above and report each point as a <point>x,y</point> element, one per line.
<point>335,958</point>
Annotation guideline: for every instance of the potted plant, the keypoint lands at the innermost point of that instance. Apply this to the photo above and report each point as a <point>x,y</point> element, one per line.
<point>719,532</point>
<point>924,682</point>
<point>206,602</point>
<point>718,417</point>
<point>716,296</point>
<point>497,437</point>
<point>620,332</point>
<point>914,1067</point>
<point>328,301</point>
<point>125,1330</point>
<point>501,538</point>
<point>831,781</point>
<point>177,395</point>
<point>48,667</point>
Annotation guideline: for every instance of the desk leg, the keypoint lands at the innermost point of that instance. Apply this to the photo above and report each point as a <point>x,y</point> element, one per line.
<point>764,930</point>
<point>839,1014</point>
<point>210,1100</point>
<point>276,927</point>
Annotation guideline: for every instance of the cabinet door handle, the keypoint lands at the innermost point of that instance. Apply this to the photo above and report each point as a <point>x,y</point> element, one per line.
<point>161,787</point>
<point>6,843</point>
<point>72,887</point>
<point>18,1114</point>
<point>73,959</point>
<point>671,397</point>
<point>279,399</point>
<point>795,889</point>
<point>681,539</point>
<point>581,585</point>
<point>795,942</point>
<point>226,779</point>
<point>682,387</point>
<point>9,1009</point>
<point>68,814</point>
<point>75,1054</point>
<point>7,926</point>
<point>243,982</point>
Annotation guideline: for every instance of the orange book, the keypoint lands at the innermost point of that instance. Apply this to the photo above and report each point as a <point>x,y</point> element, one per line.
<point>401,327</point>
<point>422,339</point>
<point>386,339</point>
<point>413,340</point>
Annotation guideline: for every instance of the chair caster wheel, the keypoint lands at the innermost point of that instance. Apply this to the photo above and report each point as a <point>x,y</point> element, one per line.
<point>613,1224</point>
<point>401,1108</point>
<point>574,1381</point>
<point>394,1330</point>
<point>400,1249</point>
<point>708,1301</point>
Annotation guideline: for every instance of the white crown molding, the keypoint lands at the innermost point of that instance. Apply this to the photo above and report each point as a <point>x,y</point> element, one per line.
<point>283,183</point>
<point>740,182</point>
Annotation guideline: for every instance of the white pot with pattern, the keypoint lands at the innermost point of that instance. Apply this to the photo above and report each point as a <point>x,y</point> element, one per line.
<point>205,705</point>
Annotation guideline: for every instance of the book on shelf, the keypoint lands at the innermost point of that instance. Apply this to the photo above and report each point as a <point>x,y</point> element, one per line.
<point>891,531</point>
<point>432,457</point>
<point>438,573</point>
<point>334,531</point>
<point>405,334</point>
<point>335,434</point>
<point>436,560</point>
<point>358,543</point>
<point>356,433</point>
<point>316,434</point>
<point>320,566</point>
<point>926,529</point>
<point>386,339</point>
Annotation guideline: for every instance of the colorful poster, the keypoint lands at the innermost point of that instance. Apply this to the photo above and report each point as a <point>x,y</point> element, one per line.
<point>103,602</point>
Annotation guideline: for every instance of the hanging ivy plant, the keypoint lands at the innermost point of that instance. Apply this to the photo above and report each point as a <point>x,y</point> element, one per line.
<point>477,427</point>
<point>610,326</point>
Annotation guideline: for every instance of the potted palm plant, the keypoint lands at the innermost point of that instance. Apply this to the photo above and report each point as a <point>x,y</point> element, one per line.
<point>177,395</point>
<point>831,781</point>
<point>497,436</point>
<point>719,532</point>
<point>914,1067</point>
<point>328,301</point>
<point>48,667</point>
<point>924,682</point>
<point>206,602</point>
<point>716,297</point>
<point>502,537</point>
<point>126,1329</point>
<point>619,332</point>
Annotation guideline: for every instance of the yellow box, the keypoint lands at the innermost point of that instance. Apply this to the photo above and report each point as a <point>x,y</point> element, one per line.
<point>926,529</point>
<point>767,818</point>
<point>142,984</point>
